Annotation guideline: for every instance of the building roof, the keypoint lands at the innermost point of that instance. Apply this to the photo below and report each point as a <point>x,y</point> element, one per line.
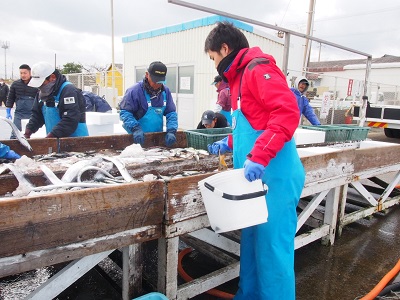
<point>186,26</point>
<point>338,65</point>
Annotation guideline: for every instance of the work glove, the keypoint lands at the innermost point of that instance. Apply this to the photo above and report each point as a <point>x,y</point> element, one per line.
<point>12,155</point>
<point>8,112</point>
<point>27,133</point>
<point>138,135</point>
<point>50,135</point>
<point>170,139</point>
<point>219,147</point>
<point>253,170</point>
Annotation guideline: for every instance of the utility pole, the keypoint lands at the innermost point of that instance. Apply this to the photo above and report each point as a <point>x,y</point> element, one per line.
<point>310,25</point>
<point>5,45</point>
<point>112,54</point>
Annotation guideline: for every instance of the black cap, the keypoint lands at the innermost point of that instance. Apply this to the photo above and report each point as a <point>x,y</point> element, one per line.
<point>207,117</point>
<point>157,71</point>
<point>216,79</point>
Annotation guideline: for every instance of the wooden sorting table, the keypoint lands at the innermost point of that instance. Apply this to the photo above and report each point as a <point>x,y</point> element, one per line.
<point>85,226</point>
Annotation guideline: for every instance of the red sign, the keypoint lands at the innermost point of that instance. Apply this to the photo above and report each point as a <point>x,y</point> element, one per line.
<point>349,87</point>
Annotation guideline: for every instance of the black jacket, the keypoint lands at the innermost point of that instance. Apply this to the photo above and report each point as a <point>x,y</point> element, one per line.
<point>18,89</point>
<point>4,89</point>
<point>221,122</point>
<point>70,113</point>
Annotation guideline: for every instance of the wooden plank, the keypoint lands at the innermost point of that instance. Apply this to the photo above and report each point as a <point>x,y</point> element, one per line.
<point>376,157</point>
<point>42,258</point>
<point>207,282</point>
<point>328,165</point>
<point>39,146</point>
<point>184,200</point>
<point>132,268</point>
<point>67,276</point>
<point>42,222</point>
<point>118,142</point>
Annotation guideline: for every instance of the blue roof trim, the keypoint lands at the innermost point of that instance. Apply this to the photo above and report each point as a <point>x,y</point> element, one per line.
<point>186,26</point>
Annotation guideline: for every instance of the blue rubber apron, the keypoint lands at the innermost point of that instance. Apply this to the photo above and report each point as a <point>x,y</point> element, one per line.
<point>152,121</point>
<point>52,116</point>
<point>23,110</point>
<point>267,250</point>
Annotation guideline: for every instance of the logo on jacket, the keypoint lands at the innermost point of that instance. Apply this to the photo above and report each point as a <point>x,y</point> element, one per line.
<point>69,100</point>
<point>266,76</point>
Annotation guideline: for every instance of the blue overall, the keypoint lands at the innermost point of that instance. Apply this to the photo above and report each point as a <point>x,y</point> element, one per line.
<point>267,250</point>
<point>52,116</point>
<point>152,121</point>
<point>23,109</point>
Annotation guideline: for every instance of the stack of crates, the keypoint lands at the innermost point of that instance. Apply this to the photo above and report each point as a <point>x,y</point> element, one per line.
<point>200,138</point>
<point>332,133</point>
<point>341,132</point>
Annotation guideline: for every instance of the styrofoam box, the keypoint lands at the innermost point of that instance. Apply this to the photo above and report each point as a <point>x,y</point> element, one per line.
<point>98,118</point>
<point>96,130</point>
<point>310,151</point>
<point>41,133</point>
<point>306,136</point>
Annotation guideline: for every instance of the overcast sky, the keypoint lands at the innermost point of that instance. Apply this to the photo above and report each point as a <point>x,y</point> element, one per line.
<point>80,30</point>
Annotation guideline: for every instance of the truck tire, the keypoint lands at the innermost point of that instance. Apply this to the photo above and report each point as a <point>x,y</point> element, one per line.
<point>389,132</point>
<point>396,133</point>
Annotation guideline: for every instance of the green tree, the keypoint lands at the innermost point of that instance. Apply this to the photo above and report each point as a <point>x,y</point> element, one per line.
<point>72,67</point>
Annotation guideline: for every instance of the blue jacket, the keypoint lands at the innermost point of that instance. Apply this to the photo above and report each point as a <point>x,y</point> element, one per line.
<point>134,106</point>
<point>305,107</point>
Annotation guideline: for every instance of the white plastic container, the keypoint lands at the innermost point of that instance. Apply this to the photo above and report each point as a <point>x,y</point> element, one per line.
<point>232,202</point>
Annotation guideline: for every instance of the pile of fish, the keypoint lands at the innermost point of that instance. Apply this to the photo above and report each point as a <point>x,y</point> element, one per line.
<point>91,164</point>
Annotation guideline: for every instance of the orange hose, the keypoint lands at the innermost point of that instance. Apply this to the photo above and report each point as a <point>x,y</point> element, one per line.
<point>381,285</point>
<point>187,278</point>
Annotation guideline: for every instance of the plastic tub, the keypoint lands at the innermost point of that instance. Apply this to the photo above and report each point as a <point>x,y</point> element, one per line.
<point>152,296</point>
<point>232,202</point>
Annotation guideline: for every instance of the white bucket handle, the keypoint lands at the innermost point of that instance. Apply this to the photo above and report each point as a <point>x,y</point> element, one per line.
<point>237,197</point>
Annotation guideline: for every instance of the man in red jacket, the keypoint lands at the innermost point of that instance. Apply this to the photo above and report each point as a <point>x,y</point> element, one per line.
<point>264,119</point>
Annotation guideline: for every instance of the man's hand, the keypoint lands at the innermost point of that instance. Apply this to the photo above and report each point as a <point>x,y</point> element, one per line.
<point>170,139</point>
<point>12,155</point>
<point>138,135</point>
<point>27,133</point>
<point>253,170</point>
<point>8,112</point>
<point>219,147</point>
<point>50,135</point>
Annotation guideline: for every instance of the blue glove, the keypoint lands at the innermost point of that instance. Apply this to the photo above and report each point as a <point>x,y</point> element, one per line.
<point>219,147</point>
<point>170,139</point>
<point>8,111</point>
<point>11,155</point>
<point>138,135</point>
<point>253,170</point>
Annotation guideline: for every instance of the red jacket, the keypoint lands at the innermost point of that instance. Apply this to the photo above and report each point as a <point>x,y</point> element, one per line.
<point>266,102</point>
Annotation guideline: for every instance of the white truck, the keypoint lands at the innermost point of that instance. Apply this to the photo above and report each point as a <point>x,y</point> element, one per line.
<point>382,116</point>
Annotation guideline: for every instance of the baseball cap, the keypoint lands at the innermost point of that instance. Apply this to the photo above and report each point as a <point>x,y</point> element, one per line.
<point>216,80</point>
<point>39,72</point>
<point>207,117</point>
<point>157,71</point>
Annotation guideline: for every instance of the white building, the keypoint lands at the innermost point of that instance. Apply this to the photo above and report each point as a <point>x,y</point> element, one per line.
<point>190,71</point>
<point>345,78</point>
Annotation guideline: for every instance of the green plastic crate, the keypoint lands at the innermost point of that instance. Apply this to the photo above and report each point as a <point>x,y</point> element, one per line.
<point>200,138</point>
<point>333,133</point>
<point>356,133</point>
